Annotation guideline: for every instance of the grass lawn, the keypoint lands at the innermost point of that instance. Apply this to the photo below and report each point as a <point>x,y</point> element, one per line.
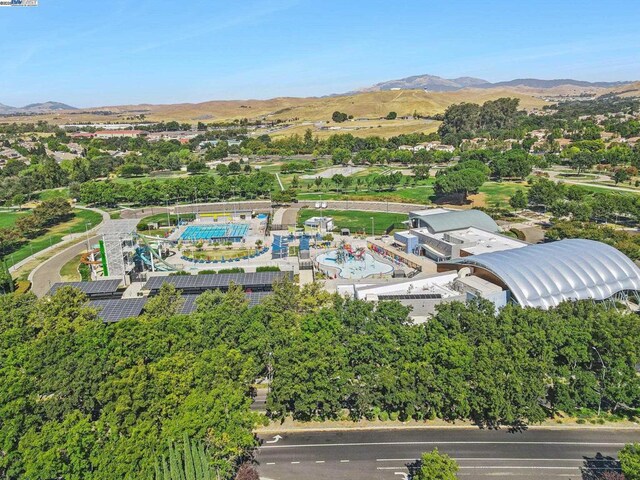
<point>69,271</point>
<point>161,218</point>
<point>8,219</point>
<point>53,193</point>
<point>422,194</point>
<point>54,235</point>
<point>498,193</point>
<point>356,220</point>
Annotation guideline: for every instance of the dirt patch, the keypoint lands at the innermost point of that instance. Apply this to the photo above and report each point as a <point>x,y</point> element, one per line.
<point>478,200</point>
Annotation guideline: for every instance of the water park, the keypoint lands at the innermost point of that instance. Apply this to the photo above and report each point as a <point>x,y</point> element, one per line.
<point>350,262</point>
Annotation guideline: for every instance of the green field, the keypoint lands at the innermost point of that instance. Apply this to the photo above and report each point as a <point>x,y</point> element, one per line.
<point>422,194</point>
<point>8,219</point>
<point>356,220</point>
<point>55,234</point>
<point>498,193</point>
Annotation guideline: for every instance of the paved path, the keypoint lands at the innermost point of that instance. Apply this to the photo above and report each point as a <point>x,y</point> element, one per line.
<point>48,272</point>
<point>554,175</point>
<point>387,454</point>
<point>66,238</point>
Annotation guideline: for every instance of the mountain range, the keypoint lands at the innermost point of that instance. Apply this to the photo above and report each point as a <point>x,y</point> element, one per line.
<point>45,107</point>
<point>434,83</point>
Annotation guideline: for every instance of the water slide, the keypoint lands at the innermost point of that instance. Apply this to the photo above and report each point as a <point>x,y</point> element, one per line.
<point>159,264</point>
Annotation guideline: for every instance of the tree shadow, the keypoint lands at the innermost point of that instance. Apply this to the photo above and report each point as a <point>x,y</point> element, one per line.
<point>600,467</point>
<point>413,467</point>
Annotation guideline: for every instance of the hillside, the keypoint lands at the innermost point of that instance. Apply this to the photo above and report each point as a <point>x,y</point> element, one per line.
<point>313,109</point>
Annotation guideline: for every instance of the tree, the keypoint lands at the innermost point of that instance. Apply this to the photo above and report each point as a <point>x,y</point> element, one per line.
<point>460,182</point>
<point>234,167</point>
<point>620,175</point>
<point>518,200</point>
<point>630,461</point>
<point>391,116</point>
<point>222,169</point>
<point>436,466</point>
<point>196,166</point>
<point>340,156</point>
<point>188,460</point>
<point>339,117</point>
<point>131,169</point>
<point>318,182</point>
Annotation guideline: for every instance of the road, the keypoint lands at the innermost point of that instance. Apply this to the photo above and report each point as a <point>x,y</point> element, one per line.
<point>48,272</point>
<point>482,454</point>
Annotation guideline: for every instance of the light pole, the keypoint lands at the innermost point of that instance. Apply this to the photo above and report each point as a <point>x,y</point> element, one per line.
<point>168,216</point>
<point>86,232</point>
<point>373,234</point>
<point>604,372</point>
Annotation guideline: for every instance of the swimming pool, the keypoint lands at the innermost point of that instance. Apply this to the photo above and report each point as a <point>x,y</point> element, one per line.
<point>233,232</point>
<point>352,268</point>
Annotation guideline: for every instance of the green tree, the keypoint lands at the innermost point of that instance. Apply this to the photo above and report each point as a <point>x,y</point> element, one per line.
<point>518,200</point>
<point>436,466</point>
<point>630,461</point>
<point>391,116</point>
<point>196,166</point>
<point>188,460</point>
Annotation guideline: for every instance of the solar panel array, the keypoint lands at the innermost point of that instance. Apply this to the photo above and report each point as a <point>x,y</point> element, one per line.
<point>190,301</point>
<point>411,296</point>
<point>114,310</point>
<point>217,281</point>
<point>100,287</point>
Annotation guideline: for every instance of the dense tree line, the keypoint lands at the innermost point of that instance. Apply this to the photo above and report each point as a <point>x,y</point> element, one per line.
<point>469,120</point>
<point>158,192</point>
<point>82,400</point>
<point>519,365</point>
<point>572,202</point>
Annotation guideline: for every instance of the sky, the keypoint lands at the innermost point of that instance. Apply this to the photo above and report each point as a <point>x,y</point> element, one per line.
<point>114,52</point>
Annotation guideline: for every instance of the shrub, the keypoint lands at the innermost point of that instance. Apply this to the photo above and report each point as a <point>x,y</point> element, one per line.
<point>232,270</point>
<point>268,268</point>
<point>384,416</point>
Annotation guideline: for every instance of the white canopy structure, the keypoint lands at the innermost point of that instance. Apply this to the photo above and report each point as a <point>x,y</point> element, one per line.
<point>543,276</point>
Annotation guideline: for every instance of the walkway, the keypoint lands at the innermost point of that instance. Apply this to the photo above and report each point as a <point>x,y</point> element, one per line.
<point>48,271</point>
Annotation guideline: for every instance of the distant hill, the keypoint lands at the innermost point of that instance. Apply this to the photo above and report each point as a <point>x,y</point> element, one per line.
<point>45,107</point>
<point>426,82</point>
<point>5,109</point>
<point>537,83</point>
<point>434,83</point>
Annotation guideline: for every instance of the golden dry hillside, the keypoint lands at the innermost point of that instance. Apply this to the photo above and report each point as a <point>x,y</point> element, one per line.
<point>630,90</point>
<point>314,109</point>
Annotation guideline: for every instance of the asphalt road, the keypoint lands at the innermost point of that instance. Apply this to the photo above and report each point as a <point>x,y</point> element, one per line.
<point>387,454</point>
<point>48,272</point>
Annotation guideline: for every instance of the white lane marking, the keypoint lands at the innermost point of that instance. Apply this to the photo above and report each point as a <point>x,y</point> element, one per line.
<point>294,463</point>
<point>344,461</point>
<point>271,463</point>
<point>275,439</point>
<point>319,461</point>
<point>366,444</point>
<point>404,475</point>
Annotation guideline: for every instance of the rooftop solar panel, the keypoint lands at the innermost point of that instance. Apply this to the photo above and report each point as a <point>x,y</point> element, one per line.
<point>114,310</point>
<point>191,301</point>
<point>213,281</point>
<point>89,288</point>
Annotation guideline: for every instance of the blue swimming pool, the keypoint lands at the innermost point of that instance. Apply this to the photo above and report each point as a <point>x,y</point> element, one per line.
<point>233,232</point>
